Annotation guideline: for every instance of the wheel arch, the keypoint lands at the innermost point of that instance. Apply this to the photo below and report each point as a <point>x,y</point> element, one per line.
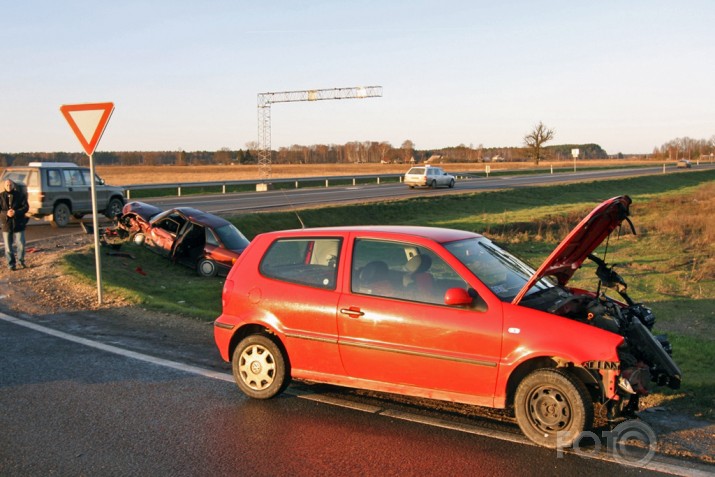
<point>256,329</point>
<point>63,200</point>
<point>539,362</point>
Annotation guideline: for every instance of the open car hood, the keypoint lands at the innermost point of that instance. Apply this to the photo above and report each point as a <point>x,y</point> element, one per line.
<point>580,242</point>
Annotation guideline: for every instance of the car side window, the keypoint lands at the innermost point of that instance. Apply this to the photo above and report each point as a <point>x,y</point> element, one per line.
<point>87,176</point>
<point>211,238</point>
<point>402,271</point>
<point>73,177</point>
<point>169,225</point>
<point>306,261</point>
<point>54,179</point>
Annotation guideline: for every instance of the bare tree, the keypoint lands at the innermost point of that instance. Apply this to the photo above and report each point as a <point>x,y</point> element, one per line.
<point>535,140</point>
<point>408,148</point>
<point>384,148</point>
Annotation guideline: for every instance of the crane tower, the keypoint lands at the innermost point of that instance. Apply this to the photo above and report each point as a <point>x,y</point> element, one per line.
<point>264,115</point>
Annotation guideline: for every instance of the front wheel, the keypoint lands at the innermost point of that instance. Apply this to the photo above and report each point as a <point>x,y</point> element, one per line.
<point>61,215</point>
<point>552,408</point>
<point>259,367</point>
<point>451,184</point>
<point>114,208</point>
<point>138,238</point>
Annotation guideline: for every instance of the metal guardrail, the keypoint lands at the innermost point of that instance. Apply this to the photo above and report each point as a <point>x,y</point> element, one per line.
<point>223,186</point>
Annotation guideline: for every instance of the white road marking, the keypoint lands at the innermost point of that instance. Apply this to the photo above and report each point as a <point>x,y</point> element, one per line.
<point>659,464</point>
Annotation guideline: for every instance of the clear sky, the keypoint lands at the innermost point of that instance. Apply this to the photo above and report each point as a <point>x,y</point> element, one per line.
<point>185,74</point>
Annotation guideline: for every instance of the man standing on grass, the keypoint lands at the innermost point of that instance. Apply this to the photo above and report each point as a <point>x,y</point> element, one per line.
<point>13,207</point>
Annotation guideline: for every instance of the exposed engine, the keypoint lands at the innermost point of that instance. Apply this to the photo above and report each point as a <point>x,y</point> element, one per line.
<point>644,358</point>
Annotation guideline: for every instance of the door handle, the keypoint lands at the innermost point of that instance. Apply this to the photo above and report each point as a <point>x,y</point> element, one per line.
<point>352,312</point>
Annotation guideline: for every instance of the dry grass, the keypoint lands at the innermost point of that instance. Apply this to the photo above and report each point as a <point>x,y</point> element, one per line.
<point>695,230</point>
<point>125,175</point>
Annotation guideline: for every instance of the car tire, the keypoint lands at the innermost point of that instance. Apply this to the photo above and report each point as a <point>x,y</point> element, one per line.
<point>433,184</point>
<point>114,208</point>
<point>259,367</point>
<point>206,268</point>
<point>61,215</point>
<point>552,407</point>
<point>451,184</point>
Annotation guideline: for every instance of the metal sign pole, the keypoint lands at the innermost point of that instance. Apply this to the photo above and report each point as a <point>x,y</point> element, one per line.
<point>95,226</point>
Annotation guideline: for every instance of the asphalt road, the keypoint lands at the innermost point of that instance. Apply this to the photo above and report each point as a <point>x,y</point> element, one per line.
<point>69,408</point>
<point>297,198</point>
<point>293,199</point>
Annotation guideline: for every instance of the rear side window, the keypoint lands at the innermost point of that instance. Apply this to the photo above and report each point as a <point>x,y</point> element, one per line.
<point>54,178</point>
<point>306,261</point>
<point>18,177</point>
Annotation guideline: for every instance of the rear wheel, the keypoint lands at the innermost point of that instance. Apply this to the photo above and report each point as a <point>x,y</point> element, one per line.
<point>259,367</point>
<point>206,268</point>
<point>433,184</point>
<point>552,407</point>
<point>61,215</point>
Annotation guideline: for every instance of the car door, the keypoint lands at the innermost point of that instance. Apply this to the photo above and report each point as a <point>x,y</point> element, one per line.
<point>163,233</point>
<point>77,190</point>
<point>392,336</point>
<point>99,188</point>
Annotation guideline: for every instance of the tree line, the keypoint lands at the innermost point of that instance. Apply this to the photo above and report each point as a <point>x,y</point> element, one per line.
<point>351,152</point>
<point>360,152</point>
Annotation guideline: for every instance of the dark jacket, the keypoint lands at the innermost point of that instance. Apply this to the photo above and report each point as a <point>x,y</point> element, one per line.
<point>16,200</point>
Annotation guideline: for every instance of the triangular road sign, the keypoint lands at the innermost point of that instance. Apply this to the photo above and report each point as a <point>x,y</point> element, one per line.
<point>88,122</point>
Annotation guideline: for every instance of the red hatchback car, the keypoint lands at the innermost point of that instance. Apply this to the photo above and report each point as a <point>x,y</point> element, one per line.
<point>443,314</point>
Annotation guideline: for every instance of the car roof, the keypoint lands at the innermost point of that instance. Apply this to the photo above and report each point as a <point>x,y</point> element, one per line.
<point>436,234</point>
<point>202,218</point>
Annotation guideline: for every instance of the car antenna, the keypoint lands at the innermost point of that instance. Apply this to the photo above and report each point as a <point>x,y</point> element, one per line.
<point>295,211</point>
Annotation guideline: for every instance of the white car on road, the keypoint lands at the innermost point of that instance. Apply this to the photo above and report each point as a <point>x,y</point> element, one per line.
<point>428,176</point>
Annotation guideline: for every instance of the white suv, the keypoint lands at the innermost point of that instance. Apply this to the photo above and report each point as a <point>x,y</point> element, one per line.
<point>428,176</point>
<point>61,190</point>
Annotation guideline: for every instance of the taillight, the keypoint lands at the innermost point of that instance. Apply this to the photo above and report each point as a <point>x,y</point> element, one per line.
<point>226,294</point>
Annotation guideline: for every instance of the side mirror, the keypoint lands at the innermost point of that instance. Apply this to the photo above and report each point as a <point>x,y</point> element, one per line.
<point>457,297</point>
<point>464,297</point>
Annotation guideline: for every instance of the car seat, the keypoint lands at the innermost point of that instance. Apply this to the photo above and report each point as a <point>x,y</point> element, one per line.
<point>418,279</point>
<point>374,279</point>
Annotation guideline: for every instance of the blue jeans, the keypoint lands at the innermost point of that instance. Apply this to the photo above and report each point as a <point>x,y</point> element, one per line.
<point>18,240</point>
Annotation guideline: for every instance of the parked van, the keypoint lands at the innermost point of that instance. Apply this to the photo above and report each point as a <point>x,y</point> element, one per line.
<point>61,190</point>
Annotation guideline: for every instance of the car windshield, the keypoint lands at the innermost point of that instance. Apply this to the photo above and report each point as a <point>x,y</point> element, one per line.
<point>502,272</point>
<point>231,237</point>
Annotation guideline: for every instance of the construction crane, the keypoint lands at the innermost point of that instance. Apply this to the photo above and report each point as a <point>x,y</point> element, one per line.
<point>264,116</point>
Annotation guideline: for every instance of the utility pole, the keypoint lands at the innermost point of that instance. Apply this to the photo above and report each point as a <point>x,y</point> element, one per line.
<point>264,116</point>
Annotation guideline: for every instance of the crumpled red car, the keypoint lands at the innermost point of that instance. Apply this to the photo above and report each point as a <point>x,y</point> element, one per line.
<point>197,239</point>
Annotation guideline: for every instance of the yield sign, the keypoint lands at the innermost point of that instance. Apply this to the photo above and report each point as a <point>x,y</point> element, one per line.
<point>88,122</point>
